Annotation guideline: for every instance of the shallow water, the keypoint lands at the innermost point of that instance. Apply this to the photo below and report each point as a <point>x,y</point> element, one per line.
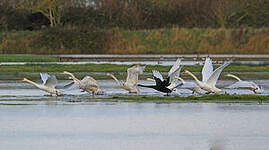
<point>132,126</point>
<point>32,120</point>
<point>10,89</point>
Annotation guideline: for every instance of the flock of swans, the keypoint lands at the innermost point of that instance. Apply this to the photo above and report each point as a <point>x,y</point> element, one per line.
<point>172,83</point>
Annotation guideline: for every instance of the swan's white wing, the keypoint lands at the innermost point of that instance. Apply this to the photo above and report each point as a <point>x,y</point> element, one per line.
<point>174,74</point>
<point>89,81</point>
<point>207,69</point>
<point>71,86</point>
<point>132,78</point>
<point>51,81</point>
<point>157,74</point>
<point>141,69</point>
<point>175,67</point>
<point>215,76</point>
<point>174,71</point>
<point>242,85</point>
<point>44,77</point>
<point>133,73</point>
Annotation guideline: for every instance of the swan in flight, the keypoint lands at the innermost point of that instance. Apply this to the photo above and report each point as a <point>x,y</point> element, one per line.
<point>210,78</point>
<point>190,86</point>
<point>132,78</point>
<point>49,83</point>
<point>87,84</point>
<point>167,85</point>
<point>240,84</point>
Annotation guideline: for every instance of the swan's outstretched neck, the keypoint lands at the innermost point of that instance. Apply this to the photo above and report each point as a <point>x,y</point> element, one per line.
<point>71,76</point>
<point>193,76</point>
<point>31,82</point>
<point>112,76</point>
<point>233,76</point>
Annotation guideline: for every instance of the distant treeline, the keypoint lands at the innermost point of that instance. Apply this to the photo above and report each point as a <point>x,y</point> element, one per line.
<point>134,26</point>
<point>133,14</point>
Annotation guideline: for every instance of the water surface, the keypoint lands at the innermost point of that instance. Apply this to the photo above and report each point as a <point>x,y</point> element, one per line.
<point>132,126</point>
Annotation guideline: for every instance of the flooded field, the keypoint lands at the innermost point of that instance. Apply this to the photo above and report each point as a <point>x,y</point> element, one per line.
<point>132,126</point>
<point>14,89</point>
<point>32,120</point>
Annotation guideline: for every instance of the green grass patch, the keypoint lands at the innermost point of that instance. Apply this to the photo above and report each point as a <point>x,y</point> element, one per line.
<point>119,68</point>
<point>27,58</point>
<point>244,99</point>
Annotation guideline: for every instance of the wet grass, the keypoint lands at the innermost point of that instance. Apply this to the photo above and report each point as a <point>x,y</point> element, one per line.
<point>98,71</point>
<point>120,68</point>
<point>205,98</point>
<point>27,58</point>
<point>244,99</point>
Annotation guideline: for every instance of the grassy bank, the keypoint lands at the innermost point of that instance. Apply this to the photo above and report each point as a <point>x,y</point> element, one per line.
<point>27,58</point>
<point>120,68</point>
<point>155,41</point>
<point>8,72</point>
<point>192,41</point>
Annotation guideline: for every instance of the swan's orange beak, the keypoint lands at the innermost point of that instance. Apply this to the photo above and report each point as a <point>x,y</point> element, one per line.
<point>183,72</point>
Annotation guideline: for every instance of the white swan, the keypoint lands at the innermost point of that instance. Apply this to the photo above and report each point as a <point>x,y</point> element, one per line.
<point>87,84</point>
<point>190,86</point>
<point>49,83</point>
<point>132,78</point>
<point>209,77</point>
<point>244,85</point>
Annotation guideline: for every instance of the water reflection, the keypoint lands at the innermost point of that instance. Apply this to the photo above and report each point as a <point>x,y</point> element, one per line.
<point>134,126</point>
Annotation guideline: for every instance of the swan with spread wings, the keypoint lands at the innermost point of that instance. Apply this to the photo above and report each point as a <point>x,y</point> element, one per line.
<point>240,84</point>
<point>131,80</point>
<point>88,84</point>
<point>48,85</point>
<point>210,78</point>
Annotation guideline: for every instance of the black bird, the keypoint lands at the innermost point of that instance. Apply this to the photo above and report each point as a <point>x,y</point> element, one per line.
<point>161,84</point>
<point>169,84</point>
